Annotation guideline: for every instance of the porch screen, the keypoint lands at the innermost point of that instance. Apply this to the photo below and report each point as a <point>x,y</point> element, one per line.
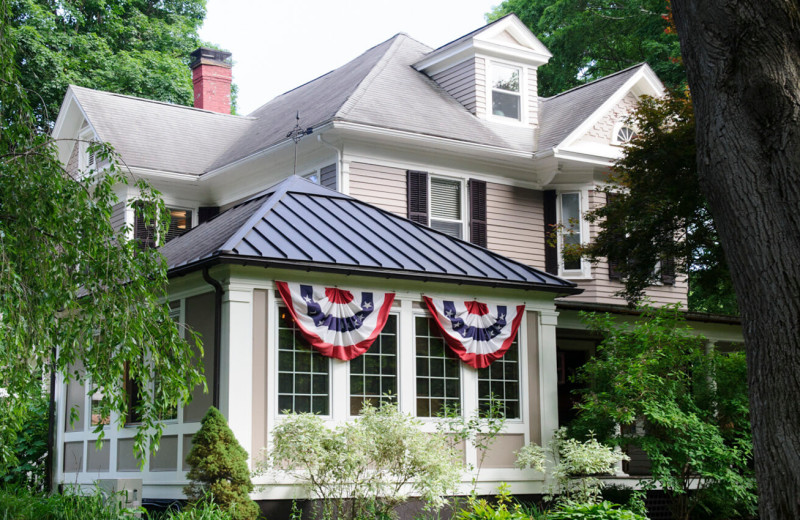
<point>338,323</point>
<point>477,333</point>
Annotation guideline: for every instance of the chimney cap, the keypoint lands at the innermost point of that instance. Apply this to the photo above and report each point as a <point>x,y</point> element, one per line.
<point>210,56</point>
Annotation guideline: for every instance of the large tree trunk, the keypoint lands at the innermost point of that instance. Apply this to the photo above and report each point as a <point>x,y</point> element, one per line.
<point>743,63</point>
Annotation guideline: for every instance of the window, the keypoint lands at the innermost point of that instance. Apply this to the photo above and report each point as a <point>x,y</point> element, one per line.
<point>500,381</point>
<point>438,374</point>
<point>506,91</point>
<point>373,375</point>
<point>97,417</point>
<point>303,373</point>
<point>570,221</point>
<point>447,214</point>
<point>86,161</point>
<point>622,134</point>
<point>180,221</point>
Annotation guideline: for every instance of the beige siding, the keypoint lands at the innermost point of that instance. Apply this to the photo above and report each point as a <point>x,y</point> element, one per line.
<point>72,164</point>
<point>382,186</point>
<point>459,81</point>
<point>502,452</point>
<point>515,223</point>
<point>200,318</point>
<point>602,290</point>
<point>602,130</point>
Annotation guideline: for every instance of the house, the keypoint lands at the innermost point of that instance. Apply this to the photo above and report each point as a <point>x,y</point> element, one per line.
<point>417,180</point>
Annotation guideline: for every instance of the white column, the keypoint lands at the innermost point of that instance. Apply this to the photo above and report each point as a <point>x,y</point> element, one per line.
<point>548,372</point>
<point>236,360</point>
<point>406,359</point>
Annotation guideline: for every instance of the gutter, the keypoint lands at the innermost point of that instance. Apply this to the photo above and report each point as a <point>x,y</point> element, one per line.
<point>218,291</point>
<point>375,272</point>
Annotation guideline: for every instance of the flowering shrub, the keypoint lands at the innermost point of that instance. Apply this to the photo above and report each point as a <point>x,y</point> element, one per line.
<point>576,468</point>
<point>376,461</point>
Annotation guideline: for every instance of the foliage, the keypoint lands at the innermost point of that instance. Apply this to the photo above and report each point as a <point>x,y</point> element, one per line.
<point>661,217</point>
<point>72,288</point>
<point>219,469</point>
<point>135,47</point>
<point>480,429</point>
<point>375,460</point>
<point>576,468</point>
<point>690,408</point>
<point>590,39</point>
<point>481,509</point>
<point>23,504</point>
<point>30,449</point>
<point>600,511</point>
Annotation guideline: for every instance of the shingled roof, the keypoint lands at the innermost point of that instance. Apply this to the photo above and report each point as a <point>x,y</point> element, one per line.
<point>300,225</point>
<point>561,114</point>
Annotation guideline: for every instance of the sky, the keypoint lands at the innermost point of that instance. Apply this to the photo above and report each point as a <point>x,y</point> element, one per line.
<point>278,46</point>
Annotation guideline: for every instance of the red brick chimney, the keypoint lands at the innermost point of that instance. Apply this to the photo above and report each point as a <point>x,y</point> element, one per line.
<point>211,76</point>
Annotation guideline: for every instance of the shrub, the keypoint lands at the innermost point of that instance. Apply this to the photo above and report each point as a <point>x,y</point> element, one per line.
<point>219,469</point>
<point>481,509</point>
<point>600,511</point>
<point>374,461</point>
<point>30,449</point>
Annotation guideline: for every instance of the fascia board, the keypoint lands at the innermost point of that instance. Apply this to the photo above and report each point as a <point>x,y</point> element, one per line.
<point>137,171</point>
<point>519,55</point>
<point>70,109</point>
<point>443,143</point>
<point>514,26</point>
<point>436,63</point>
<point>605,107</point>
<point>596,160</point>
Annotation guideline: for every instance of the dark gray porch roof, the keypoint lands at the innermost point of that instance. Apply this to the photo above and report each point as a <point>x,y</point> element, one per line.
<point>300,225</point>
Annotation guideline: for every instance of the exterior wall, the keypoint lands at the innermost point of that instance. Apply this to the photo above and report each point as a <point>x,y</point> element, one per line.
<point>480,87</point>
<point>459,81</point>
<point>602,290</point>
<point>118,215</point>
<point>72,164</point>
<point>515,223</point>
<point>602,130</point>
<point>382,186</point>
<point>533,96</point>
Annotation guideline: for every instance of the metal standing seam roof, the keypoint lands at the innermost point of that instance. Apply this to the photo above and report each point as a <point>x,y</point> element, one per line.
<point>300,225</point>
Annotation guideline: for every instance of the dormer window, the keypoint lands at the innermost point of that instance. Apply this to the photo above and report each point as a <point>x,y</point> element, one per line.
<point>506,96</point>
<point>86,161</point>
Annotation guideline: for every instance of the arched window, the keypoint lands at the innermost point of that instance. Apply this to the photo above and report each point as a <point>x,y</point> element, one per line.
<point>624,135</point>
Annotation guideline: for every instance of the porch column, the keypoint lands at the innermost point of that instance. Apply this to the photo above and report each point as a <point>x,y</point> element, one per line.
<point>236,363</point>
<point>549,373</point>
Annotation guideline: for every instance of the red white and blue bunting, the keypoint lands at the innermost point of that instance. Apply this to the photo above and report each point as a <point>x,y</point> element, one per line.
<point>338,323</point>
<point>477,333</point>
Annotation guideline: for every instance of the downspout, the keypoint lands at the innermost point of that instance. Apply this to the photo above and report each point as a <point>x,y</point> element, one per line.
<point>339,161</point>
<point>217,333</point>
<point>50,460</point>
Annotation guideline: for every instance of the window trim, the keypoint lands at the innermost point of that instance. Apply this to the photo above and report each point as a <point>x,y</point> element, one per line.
<point>584,272</point>
<point>615,133</point>
<point>522,120</point>
<point>463,204</point>
<point>398,363</point>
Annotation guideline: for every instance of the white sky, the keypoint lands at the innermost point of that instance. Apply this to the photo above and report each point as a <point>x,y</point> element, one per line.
<point>279,45</point>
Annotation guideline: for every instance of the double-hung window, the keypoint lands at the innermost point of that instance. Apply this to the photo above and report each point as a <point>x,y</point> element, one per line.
<point>506,92</point>
<point>447,211</point>
<point>373,375</point>
<point>571,235</point>
<point>438,373</point>
<point>303,373</point>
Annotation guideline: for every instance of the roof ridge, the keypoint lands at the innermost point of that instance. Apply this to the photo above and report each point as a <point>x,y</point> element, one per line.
<point>595,81</point>
<point>357,93</point>
<point>326,74</point>
<point>471,33</point>
<point>157,102</point>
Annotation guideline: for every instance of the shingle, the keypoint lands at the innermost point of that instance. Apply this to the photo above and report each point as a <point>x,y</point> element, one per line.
<point>300,225</point>
<point>561,114</point>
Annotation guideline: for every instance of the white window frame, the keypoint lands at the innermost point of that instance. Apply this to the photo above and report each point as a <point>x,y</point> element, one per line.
<point>584,272</point>
<point>85,166</point>
<point>398,379</point>
<point>615,133</point>
<point>523,94</point>
<point>464,203</point>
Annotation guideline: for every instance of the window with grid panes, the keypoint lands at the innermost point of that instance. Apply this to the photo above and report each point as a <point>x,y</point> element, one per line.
<point>303,373</point>
<point>438,373</point>
<point>501,381</point>
<point>373,375</point>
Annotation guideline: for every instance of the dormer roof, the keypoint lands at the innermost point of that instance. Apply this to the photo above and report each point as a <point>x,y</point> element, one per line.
<point>505,38</point>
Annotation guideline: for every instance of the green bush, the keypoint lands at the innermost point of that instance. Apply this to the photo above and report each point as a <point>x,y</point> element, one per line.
<point>20,503</point>
<point>481,509</point>
<point>30,449</point>
<point>601,511</point>
<point>219,469</point>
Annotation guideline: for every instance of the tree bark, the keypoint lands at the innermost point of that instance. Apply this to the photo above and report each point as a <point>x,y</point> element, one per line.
<point>743,64</point>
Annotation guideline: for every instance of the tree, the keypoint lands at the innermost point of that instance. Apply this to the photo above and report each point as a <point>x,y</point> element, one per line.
<point>660,224</point>
<point>219,469</point>
<point>73,290</point>
<point>134,47</point>
<point>743,65</point>
<point>590,39</point>
<point>684,407</point>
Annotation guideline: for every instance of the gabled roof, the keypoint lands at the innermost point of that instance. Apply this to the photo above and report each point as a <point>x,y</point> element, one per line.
<point>300,225</point>
<point>167,137</point>
<point>561,114</point>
